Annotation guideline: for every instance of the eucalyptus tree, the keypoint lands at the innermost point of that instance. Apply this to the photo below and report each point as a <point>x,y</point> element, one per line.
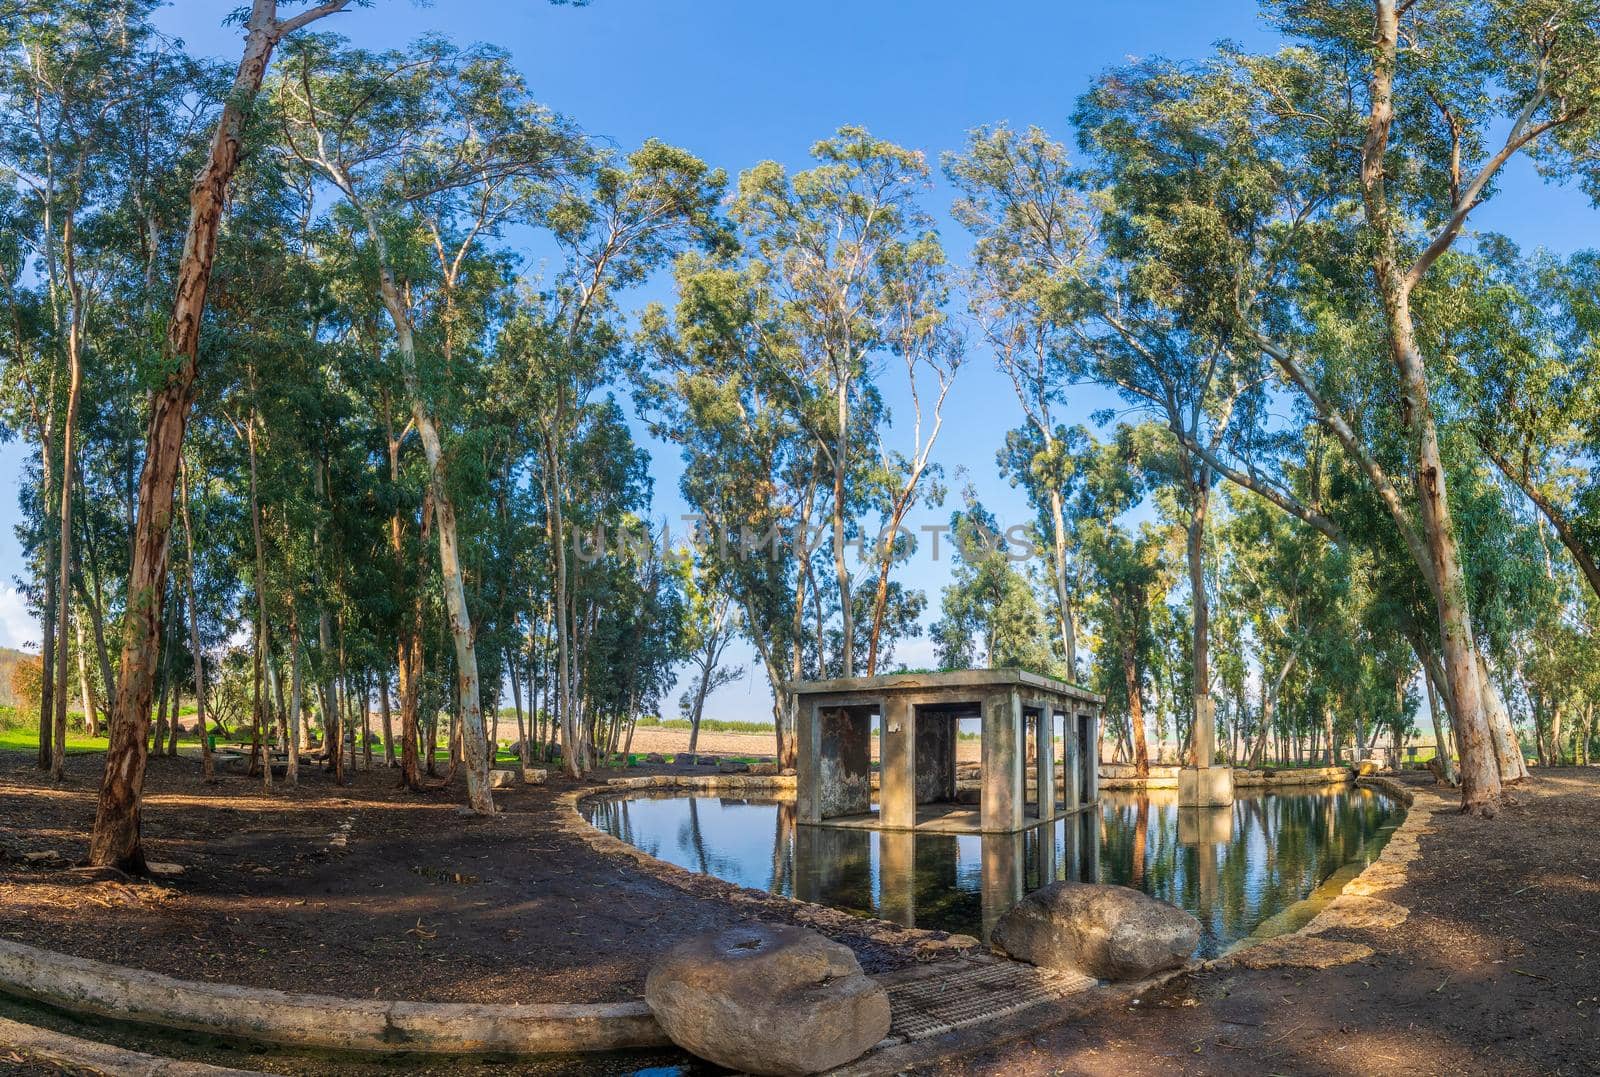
<point>751,471</point>
<point>1280,573</point>
<point>416,143</point>
<point>625,218</point>
<point>852,272</point>
<point>1034,246</point>
<point>69,105</point>
<point>1125,571</point>
<point>115,840</point>
<point>709,625</point>
<point>990,617</point>
<point>1255,180</point>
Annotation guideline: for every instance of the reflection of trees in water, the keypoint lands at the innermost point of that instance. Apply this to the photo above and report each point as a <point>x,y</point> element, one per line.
<point>1282,847</point>
<point>783,849</point>
<point>695,838</point>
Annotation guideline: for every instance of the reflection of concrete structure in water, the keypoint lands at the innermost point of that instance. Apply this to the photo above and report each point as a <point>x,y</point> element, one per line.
<point>919,875</point>
<point>1024,717</point>
<point>1206,829</point>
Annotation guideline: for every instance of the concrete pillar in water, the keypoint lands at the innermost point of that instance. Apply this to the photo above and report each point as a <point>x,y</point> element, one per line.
<point>1205,784</point>
<point>897,790</point>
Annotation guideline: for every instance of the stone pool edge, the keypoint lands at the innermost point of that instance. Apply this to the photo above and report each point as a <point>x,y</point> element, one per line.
<point>321,1022</point>
<point>1356,906</point>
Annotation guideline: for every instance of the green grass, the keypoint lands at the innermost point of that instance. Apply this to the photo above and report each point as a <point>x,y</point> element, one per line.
<point>22,739</point>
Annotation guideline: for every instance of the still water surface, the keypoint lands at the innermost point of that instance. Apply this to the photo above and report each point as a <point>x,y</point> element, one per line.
<point>1239,868</point>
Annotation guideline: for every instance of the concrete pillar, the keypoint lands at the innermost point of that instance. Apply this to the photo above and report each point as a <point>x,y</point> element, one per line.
<point>1205,784</point>
<point>808,800</point>
<point>1071,763</point>
<point>1046,772</point>
<point>897,790</point>
<point>1090,769</point>
<point>1002,762</point>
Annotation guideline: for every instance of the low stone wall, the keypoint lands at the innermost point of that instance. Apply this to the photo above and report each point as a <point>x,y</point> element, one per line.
<point>320,1021</point>
<point>1124,776</point>
<point>710,783</point>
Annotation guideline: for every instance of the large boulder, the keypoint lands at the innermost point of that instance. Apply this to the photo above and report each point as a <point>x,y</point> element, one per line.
<point>767,998</point>
<point>1108,932</point>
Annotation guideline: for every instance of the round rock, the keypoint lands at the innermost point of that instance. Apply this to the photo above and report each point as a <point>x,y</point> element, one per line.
<point>768,999</point>
<point>1108,932</point>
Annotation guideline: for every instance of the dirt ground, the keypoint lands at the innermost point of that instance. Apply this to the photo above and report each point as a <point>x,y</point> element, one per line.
<point>346,890</point>
<point>1496,971</point>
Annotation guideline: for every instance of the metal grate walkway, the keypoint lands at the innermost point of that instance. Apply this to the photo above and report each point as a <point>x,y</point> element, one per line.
<point>933,1005</point>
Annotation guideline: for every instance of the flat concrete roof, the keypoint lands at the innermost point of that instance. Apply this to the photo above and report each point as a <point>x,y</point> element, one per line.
<point>963,678</point>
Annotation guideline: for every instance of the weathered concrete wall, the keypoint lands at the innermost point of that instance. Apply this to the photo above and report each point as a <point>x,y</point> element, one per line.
<point>843,785</point>
<point>936,759</point>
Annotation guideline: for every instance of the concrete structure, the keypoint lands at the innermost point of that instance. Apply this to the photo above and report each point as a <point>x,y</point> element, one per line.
<point>918,716</point>
<point>1206,784</point>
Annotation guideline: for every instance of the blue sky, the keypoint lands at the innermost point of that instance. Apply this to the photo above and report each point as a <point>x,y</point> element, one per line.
<point>738,82</point>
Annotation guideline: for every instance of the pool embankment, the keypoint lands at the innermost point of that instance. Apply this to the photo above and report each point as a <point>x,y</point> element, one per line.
<point>323,1022</point>
<point>1120,776</point>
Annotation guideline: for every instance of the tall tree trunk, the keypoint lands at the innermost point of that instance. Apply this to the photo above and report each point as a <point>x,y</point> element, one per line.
<point>523,761</point>
<point>115,840</point>
<point>408,647</point>
<point>1058,570</point>
<point>1480,776</point>
<point>47,665</point>
<point>1203,733</point>
<point>1447,765</point>
<point>263,640</point>
<point>1507,748</point>
<point>69,448</point>
<point>1131,684</point>
<point>388,720</point>
<point>847,650</point>
<point>474,745</point>
<point>91,721</point>
<point>291,770</point>
<point>208,771</point>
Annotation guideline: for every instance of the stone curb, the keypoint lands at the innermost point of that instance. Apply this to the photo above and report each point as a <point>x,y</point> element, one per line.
<point>1243,778</point>
<point>320,1021</point>
<point>925,945</point>
<point>87,1056</point>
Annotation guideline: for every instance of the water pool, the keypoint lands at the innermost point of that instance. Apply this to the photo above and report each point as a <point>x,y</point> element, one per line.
<point>1243,868</point>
